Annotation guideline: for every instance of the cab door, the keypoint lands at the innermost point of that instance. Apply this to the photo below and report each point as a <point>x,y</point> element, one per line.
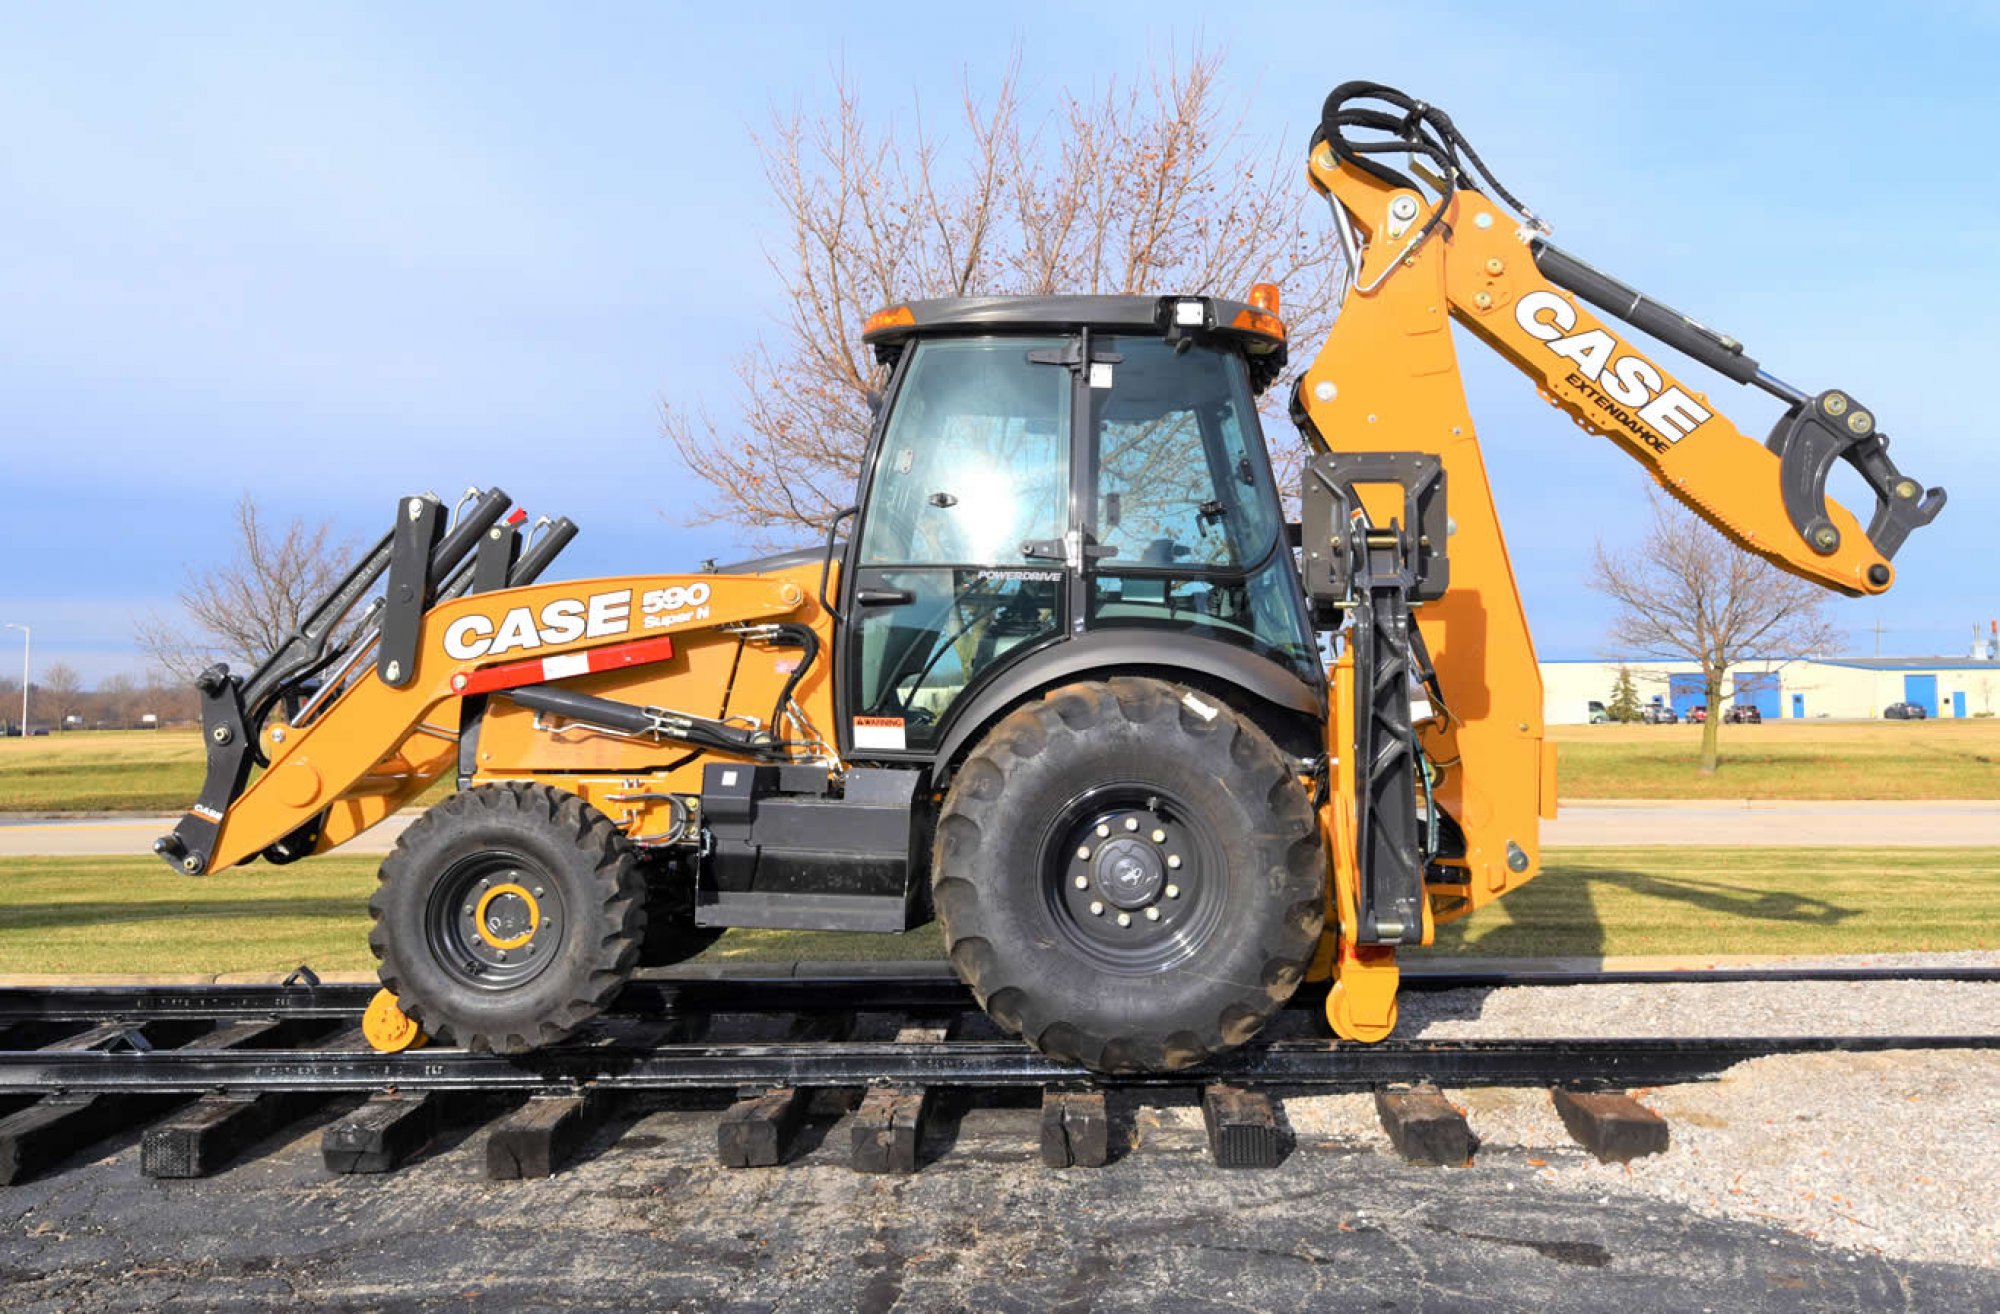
<point>1180,520</point>
<point>951,575</point>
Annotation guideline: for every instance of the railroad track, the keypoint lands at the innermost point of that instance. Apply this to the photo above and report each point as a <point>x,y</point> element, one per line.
<point>210,1069</point>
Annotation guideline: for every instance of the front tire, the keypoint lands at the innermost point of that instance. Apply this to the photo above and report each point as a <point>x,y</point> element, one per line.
<point>508,916</point>
<point>1129,876</point>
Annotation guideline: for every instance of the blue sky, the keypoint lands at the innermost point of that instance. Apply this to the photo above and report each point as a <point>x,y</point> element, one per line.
<point>333,254</point>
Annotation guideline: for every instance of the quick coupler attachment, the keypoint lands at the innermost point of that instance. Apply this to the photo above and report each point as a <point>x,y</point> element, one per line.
<point>1834,426</point>
<point>192,842</point>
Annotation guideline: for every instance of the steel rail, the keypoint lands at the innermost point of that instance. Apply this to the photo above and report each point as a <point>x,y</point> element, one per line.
<point>911,987</point>
<point>1315,1064</point>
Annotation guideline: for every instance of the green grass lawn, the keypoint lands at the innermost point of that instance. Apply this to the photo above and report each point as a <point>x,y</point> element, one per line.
<point>101,771</point>
<point>1784,759</point>
<point>133,916</point>
<point>136,771</point>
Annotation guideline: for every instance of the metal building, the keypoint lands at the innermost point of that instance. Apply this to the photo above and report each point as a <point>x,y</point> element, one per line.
<point>1840,688</point>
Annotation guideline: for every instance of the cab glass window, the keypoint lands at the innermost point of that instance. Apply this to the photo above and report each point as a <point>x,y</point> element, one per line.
<point>1180,467</point>
<point>975,459</point>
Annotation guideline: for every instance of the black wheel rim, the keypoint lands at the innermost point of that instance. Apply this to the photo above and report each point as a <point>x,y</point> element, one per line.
<point>495,920</point>
<point>1132,878</point>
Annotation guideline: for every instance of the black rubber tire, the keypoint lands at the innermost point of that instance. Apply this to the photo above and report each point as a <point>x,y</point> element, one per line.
<point>1001,925</point>
<point>586,864</point>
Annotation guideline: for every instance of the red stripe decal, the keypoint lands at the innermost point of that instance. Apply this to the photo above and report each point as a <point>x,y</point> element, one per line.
<point>535,670</point>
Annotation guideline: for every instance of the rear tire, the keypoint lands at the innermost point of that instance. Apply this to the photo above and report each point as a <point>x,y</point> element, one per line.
<point>1139,799</point>
<point>508,916</point>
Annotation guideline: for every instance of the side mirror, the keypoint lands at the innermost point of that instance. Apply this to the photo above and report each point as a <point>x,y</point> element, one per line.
<point>874,399</point>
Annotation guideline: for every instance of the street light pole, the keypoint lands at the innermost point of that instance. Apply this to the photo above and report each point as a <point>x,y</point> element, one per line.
<point>27,637</point>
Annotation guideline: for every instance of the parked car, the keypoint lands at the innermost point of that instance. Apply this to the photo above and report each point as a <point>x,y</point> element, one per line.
<point>1698,714</point>
<point>1598,716</point>
<point>1658,714</point>
<point>1904,712</point>
<point>1744,712</point>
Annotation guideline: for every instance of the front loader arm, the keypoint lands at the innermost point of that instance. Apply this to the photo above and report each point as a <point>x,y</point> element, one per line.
<point>376,746</point>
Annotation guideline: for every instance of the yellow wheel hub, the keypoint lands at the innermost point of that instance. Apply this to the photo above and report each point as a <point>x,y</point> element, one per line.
<point>387,1028</point>
<point>493,924</point>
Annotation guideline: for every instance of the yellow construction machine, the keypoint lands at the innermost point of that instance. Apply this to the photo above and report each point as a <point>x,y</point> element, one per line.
<point>1070,682</point>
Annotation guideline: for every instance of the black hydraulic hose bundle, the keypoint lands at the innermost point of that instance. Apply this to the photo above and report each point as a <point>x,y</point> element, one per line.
<point>1422,130</point>
<point>701,732</point>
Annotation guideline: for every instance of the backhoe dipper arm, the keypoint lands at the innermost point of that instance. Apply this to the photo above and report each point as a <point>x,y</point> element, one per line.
<point>1519,294</point>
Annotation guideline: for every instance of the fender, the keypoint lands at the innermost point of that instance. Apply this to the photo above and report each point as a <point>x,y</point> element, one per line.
<point>1157,652</point>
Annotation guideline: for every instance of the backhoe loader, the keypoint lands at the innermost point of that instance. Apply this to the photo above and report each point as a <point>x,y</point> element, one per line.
<point>1069,682</point>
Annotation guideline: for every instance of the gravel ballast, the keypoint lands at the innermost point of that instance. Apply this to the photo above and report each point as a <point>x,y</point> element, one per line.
<point>1895,1152</point>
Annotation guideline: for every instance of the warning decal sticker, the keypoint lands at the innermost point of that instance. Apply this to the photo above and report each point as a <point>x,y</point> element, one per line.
<point>878,732</point>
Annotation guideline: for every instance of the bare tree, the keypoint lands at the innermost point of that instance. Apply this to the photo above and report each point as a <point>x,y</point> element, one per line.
<point>168,699</point>
<point>60,689</point>
<point>1686,594</point>
<point>1150,187</point>
<point>116,697</point>
<point>244,610</point>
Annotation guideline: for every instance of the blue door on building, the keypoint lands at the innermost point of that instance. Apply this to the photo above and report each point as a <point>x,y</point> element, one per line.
<point>1759,691</point>
<point>1684,694</point>
<point>1921,690</point>
<point>1958,703</point>
<point>1798,706</point>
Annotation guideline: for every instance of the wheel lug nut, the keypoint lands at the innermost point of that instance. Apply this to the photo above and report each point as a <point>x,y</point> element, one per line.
<point>1152,914</point>
<point>1173,891</point>
<point>1083,852</point>
<point>468,910</point>
<point>1159,837</point>
<point>1131,823</point>
<point>1103,831</point>
<point>539,891</point>
<point>1083,882</point>
<point>501,955</point>
<point>1096,908</point>
<point>1124,919</point>
<point>1174,861</point>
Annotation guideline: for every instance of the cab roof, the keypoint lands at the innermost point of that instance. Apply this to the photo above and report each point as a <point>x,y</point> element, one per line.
<point>1259,334</point>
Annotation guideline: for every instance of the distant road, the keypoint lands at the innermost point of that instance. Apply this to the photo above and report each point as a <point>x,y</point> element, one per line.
<point>1585,823</point>
<point>1953,823</point>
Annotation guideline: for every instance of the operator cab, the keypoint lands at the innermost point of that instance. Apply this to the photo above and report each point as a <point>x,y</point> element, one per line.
<point>1050,471</point>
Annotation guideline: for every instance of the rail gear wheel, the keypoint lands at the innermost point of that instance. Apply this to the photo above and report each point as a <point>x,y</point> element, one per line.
<point>508,916</point>
<point>387,1028</point>
<point>1129,876</point>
